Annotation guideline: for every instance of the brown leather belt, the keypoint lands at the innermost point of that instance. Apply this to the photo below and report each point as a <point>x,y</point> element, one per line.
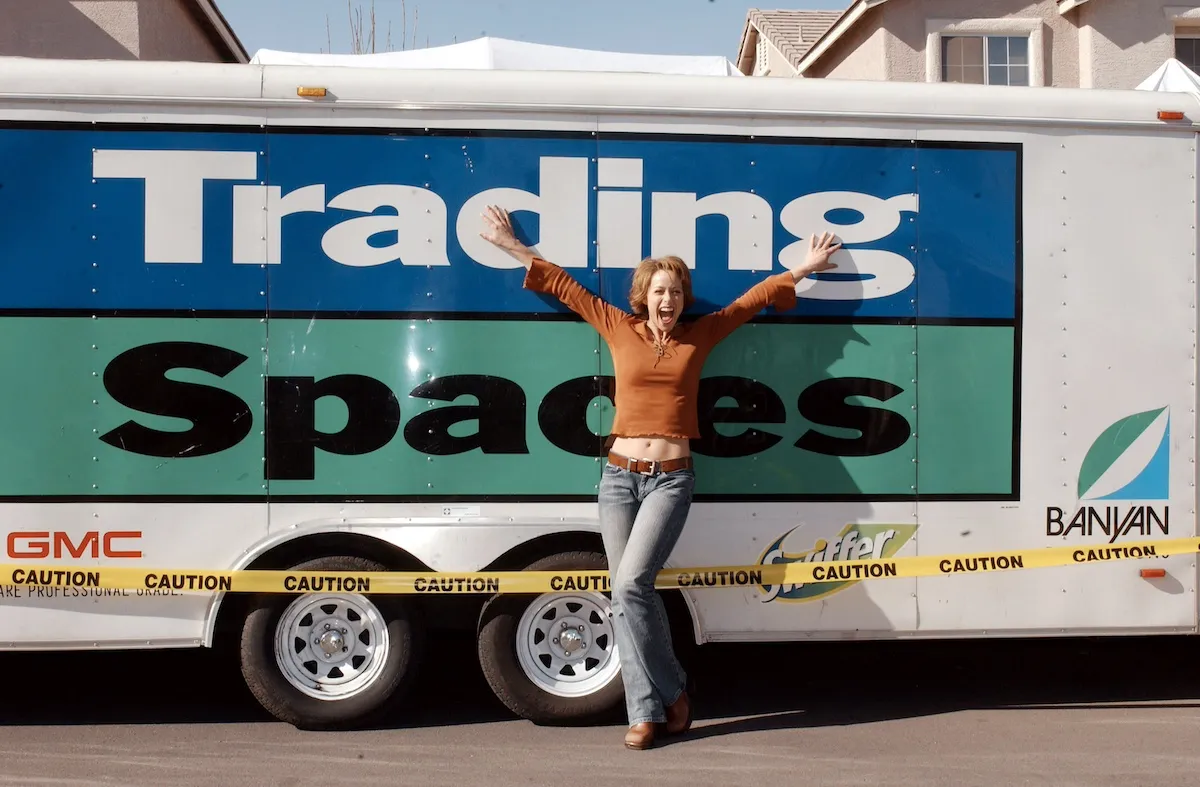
<point>650,466</point>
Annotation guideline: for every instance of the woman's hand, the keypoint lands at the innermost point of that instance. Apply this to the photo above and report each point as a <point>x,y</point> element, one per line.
<point>820,248</point>
<point>502,236</point>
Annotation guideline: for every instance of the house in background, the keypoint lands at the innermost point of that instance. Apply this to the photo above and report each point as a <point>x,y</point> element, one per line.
<point>119,30</point>
<point>1059,43</point>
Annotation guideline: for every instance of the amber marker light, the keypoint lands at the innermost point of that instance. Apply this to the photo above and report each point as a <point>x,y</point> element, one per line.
<point>319,92</point>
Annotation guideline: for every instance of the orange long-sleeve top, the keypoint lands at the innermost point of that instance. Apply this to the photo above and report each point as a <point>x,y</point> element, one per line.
<point>657,396</point>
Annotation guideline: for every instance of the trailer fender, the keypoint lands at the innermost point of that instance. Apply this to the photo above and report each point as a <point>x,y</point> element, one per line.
<point>417,544</point>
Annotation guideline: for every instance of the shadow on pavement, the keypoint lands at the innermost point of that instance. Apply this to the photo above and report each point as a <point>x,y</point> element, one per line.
<point>765,687</point>
<point>740,688</point>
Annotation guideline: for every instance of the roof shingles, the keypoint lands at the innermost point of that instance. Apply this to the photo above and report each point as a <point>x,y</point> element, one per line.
<point>793,32</point>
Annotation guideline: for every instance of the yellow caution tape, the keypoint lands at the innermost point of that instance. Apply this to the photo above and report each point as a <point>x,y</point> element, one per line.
<point>790,573</point>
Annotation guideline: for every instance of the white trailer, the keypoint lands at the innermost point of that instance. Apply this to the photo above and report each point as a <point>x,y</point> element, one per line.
<point>247,321</point>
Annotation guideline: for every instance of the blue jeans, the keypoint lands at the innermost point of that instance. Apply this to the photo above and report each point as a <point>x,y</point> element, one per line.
<point>641,518</point>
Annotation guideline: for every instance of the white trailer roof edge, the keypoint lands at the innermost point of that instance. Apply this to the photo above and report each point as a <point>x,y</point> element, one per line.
<point>550,91</point>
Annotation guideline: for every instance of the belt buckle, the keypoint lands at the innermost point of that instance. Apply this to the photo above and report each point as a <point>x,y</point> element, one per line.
<point>654,466</point>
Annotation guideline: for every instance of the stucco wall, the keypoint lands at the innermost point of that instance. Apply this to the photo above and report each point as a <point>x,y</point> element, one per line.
<point>777,62</point>
<point>1102,43</point>
<point>103,29</point>
<point>908,20</point>
<point>169,32</point>
<point>1121,43</point>
<point>861,54</point>
<point>902,26</point>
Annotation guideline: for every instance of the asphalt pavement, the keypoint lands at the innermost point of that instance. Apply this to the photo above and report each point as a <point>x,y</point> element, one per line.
<point>1077,712</point>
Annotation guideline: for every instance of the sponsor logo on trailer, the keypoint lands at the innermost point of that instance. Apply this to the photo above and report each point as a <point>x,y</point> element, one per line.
<point>45,544</point>
<point>854,542</point>
<point>1125,471</point>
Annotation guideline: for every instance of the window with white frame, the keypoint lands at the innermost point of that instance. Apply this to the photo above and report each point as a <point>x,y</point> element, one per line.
<point>1185,21</point>
<point>1187,47</point>
<point>985,59</point>
<point>986,51</point>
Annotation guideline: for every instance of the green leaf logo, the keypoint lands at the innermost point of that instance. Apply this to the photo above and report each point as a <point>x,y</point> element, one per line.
<point>1129,460</point>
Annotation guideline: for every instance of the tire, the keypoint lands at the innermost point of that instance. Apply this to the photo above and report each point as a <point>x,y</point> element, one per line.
<point>386,652</point>
<point>508,628</point>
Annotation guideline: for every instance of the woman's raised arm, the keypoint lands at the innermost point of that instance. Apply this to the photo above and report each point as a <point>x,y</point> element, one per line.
<point>503,237</point>
<point>543,276</point>
<point>778,291</point>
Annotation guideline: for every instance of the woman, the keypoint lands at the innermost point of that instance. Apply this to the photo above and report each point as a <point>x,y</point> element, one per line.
<point>646,487</point>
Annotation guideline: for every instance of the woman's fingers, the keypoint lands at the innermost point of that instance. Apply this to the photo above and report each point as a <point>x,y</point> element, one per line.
<point>820,242</point>
<point>498,218</point>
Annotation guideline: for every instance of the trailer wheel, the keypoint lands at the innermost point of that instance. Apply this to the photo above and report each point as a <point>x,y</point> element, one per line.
<point>330,660</point>
<point>552,658</point>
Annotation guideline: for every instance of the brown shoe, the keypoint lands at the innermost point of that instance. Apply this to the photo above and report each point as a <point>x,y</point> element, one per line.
<point>640,736</point>
<point>679,715</point>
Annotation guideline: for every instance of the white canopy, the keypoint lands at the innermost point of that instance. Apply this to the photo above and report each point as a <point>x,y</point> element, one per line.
<point>1172,77</point>
<point>504,54</point>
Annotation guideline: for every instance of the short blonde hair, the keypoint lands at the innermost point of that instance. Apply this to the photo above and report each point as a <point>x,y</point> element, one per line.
<point>645,271</point>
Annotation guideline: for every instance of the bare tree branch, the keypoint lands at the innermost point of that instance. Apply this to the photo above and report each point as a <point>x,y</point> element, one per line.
<point>363,40</point>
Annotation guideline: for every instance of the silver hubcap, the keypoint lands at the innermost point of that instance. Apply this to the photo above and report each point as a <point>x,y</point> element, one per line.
<point>565,644</point>
<point>331,647</point>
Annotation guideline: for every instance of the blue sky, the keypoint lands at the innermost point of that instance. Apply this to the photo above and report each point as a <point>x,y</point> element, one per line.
<point>672,27</point>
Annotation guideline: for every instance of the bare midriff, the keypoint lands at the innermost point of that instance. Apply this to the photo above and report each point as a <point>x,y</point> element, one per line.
<point>652,447</point>
<point>656,390</point>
